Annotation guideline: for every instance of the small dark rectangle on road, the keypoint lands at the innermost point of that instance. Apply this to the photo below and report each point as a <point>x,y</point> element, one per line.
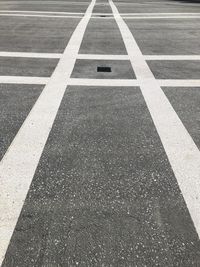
<point>104,69</point>
<point>87,69</point>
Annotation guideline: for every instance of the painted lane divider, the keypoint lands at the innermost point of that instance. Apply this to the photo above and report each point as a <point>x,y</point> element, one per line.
<point>183,154</point>
<point>18,166</point>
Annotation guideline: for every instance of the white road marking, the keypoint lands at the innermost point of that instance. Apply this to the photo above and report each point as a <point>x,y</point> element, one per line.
<point>99,14</point>
<point>30,55</point>
<point>43,2</point>
<point>105,18</point>
<point>99,56</point>
<point>146,57</point>
<point>102,57</point>
<point>39,15</point>
<point>183,154</point>
<point>98,82</point>
<point>42,12</point>
<point>24,80</point>
<point>179,83</point>
<point>160,14</point>
<point>21,159</point>
<point>172,57</point>
<point>131,82</point>
<point>163,17</point>
<point>103,82</point>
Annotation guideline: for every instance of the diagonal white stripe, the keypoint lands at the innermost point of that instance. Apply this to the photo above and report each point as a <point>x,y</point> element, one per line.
<point>19,163</point>
<point>180,148</point>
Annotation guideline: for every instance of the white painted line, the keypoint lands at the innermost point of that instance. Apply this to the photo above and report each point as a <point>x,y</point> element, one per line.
<point>102,57</point>
<point>172,57</point>
<point>43,2</point>
<point>42,12</point>
<point>98,82</point>
<point>102,18</point>
<point>102,14</point>
<point>103,82</point>
<point>183,154</point>
<point>163,17</point>
<point>99,56</point>
<point>30,55</point>
<point>179,83</point>
<point>95,17</point>
<point>131,82</point>
<point>24,80</point>
<point>19,163</point>
<point>160,14</point>
<point>41,16</point>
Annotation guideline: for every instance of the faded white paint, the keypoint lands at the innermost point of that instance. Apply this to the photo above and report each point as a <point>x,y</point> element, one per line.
<point>183,154</point>
<point>19,163</point>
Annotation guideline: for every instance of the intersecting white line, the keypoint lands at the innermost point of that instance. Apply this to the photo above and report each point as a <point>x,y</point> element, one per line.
<point>162,17</point>
<point>44,2</point>
<point>30,55</point>
<point>18,165</point>
<point>98,56</point>
<point>172,57</point>
<point>179,83</point>
<point>147,57</point>
<point>102,57</point>
<point>131,82</point>
<point>42,12</point>
<point>160,14</point>
<point>24,80</point>
<point>103,82</point>
<point>39,15</point>
<point>98,82</point>
<point>183,154</point>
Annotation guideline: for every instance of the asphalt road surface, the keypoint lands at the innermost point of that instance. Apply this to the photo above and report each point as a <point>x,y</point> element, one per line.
<point>100,133</point>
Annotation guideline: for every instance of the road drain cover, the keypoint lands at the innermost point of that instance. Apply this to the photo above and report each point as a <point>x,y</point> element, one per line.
<point>103,69</point>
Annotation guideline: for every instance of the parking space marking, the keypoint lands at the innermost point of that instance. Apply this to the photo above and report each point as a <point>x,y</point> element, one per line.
<point>98,82</point>
<point>102,57</point>
<point>160,14</point>
<point>103,82</point>
<point>98,56</point>
<point>131,82</point>
<point>30,55</point>
<point>179,83</point>
<point>39,15</point>
<point>172,57</point>
<point>146,57</point>
<point>42,12</point>
<point>24,80</point>
<point>43,2</point>
<point>182,152</point>
<point>163,17</point>
<point>18,166</point>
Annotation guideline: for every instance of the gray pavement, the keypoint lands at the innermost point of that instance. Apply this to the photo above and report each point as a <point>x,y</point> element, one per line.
<point>96,174</point>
